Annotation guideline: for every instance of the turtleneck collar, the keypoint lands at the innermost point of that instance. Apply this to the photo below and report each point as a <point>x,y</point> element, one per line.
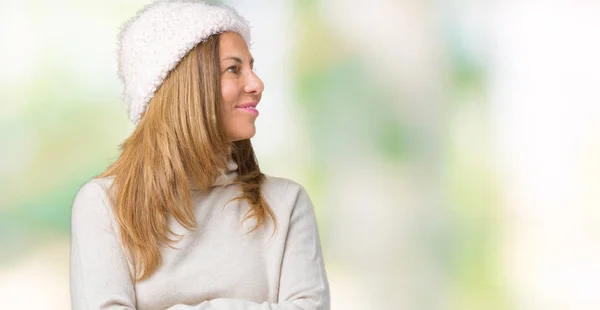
<point>226,177</point>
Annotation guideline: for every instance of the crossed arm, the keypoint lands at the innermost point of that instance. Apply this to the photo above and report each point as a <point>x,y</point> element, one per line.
<point>100,276</point>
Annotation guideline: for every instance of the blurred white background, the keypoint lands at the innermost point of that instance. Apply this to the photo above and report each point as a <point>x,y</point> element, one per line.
<point>451,148</point>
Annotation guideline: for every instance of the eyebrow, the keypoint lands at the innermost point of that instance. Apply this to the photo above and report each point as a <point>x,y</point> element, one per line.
<point>237,59</point>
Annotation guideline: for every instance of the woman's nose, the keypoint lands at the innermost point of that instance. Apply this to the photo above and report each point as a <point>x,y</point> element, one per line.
<point>253,83</point>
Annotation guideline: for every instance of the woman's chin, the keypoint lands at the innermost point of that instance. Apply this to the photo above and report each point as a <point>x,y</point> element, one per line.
<point>243,135</point>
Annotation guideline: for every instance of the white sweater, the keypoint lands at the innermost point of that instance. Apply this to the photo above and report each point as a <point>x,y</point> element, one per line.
<point>217,266</point>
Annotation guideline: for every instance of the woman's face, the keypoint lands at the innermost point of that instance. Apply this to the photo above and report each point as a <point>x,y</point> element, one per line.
<point>241,89</point>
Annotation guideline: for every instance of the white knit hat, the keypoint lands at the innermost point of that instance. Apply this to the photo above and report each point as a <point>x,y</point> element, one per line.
<point>152,43</point>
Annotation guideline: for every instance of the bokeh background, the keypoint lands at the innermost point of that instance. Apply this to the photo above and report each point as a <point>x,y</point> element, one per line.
<point>451,148</point>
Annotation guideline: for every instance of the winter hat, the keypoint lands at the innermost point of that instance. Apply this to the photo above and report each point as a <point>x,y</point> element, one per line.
<point>153,42</point>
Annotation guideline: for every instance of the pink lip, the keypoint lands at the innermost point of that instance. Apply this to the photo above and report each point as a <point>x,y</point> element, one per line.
<point>249,110</point>
<point>251,104</point>
<point>249,107</point>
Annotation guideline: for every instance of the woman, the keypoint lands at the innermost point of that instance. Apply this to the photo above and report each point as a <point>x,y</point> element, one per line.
<point>184,218</point>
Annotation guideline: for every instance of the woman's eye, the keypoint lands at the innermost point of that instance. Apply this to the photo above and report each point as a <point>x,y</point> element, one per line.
<point>233,69</point>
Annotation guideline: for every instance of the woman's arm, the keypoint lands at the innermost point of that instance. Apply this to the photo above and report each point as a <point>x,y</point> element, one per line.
<point>303,284</point>
<point>100,277</point>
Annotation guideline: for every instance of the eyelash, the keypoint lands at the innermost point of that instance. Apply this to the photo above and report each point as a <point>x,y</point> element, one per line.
<point>237,69</point>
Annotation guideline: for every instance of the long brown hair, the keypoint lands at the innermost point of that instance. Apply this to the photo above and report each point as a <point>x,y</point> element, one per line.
<point>180,139</point>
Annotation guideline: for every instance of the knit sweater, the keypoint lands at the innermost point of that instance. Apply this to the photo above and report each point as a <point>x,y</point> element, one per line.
<point>217,266</point>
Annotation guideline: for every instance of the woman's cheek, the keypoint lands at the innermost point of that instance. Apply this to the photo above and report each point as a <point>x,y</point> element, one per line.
<point>228,93</point>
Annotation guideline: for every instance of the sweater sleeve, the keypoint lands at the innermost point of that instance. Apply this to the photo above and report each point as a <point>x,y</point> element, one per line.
<point>303,284</point>
<point>99,272</point>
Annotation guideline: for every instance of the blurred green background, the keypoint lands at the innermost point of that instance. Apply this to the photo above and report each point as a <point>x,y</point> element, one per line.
<point>450,147</point>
